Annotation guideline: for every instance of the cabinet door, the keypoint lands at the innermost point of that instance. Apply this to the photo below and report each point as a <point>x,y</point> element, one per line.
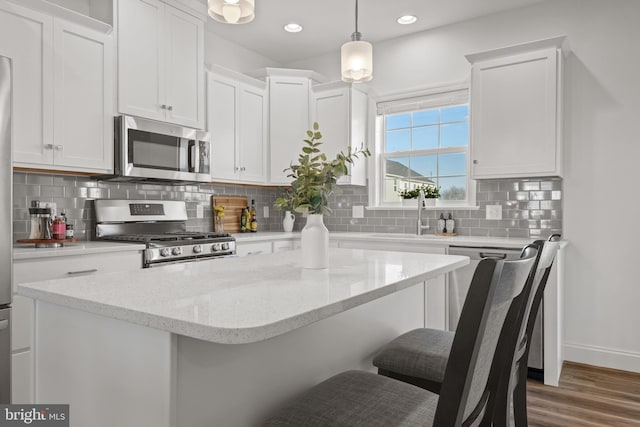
<point>83,98</point>
<point>223,126</point>
<point>514,116</point>
<point>358,133</point>
<point>342,116</point>
<point>25,38</point>
<point>289,120</point>
<point>184,62</point>
<point>252,134</point>
<point>331,111</point>
<point>22,377</point>
<point>141,62</point>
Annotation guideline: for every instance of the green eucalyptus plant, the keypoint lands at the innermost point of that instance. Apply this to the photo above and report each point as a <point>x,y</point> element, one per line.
<point>315,177</point>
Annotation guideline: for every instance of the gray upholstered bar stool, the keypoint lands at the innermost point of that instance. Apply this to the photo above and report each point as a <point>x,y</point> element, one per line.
<point>356,398</point>
<point>420,357</point>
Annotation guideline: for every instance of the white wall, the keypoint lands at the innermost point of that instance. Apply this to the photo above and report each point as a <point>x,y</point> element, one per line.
<point>227,54</point>
<point>602,152</point>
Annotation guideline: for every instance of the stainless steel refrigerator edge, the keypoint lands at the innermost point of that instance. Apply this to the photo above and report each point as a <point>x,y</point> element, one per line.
<point>6,223</point>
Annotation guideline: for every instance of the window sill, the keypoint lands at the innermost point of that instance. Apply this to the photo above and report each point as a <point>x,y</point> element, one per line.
<point>427,208</point>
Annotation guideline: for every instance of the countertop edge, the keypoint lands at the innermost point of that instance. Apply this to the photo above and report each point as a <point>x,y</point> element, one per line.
<point>228,335</point>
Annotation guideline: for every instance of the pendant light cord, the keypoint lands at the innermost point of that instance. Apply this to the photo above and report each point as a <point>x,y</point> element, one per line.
<point>356,16</point>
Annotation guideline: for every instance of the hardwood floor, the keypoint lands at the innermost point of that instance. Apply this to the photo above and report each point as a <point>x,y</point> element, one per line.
<point>587,396</point>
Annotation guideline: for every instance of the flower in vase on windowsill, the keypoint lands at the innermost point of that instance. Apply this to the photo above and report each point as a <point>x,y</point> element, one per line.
<point>314,179</point>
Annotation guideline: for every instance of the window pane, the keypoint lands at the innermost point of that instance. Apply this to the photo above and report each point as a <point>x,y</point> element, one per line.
<point>452,164</point>
<point>399,121</point>
<point>425,137</point>
<point>453,188</point>
<point>398,140</point>
<point>397,167</point>
<point>396,178</point>
<point>427,117</point>
<point>455,114</point>
<point>454,135</point>
<point>423,166</point>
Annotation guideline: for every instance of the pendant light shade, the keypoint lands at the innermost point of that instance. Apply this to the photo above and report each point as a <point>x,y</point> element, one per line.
<point>357,61</point>
<point>357,58</point>
<point>232,11</point>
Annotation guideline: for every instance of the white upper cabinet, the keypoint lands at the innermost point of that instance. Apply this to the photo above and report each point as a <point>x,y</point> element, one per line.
<point>516,107</point>
<point>160,63</point>
<point>63,91</point>
<point>237,122</point>
<point>289,122</point>
<point>22,35</point>
<point>341,112</point>
<point>83,97</point>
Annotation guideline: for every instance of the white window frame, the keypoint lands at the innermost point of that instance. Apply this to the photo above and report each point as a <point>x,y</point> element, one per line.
<point>416,98</point>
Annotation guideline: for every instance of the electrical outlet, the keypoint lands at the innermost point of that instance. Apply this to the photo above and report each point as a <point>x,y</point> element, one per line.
<point>494,211</point>
<point>357,211</point>
<point>199,211</point>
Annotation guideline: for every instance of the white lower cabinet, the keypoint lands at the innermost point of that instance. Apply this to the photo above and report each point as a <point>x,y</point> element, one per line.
<point>253,248</point>
<point>436,311</point>
<point>38,269</point>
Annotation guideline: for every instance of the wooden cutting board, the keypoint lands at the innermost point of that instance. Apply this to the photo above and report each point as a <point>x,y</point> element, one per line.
<point>232,211</point>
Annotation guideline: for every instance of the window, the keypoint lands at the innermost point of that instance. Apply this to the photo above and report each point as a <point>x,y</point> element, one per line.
<point>424,141</point>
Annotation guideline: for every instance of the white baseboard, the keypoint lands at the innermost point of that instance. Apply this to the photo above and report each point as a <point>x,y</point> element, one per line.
<point>602,356</point>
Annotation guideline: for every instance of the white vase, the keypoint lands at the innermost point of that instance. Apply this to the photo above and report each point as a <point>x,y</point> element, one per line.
<point>412,203</point>
<point>429,202</point>
<point>315,243</point>
<point>288,221</point>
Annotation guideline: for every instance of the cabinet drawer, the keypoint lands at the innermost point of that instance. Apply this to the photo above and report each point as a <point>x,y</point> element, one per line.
<point>282,245</point>
<point>255,248</point>
<point>33,270</point>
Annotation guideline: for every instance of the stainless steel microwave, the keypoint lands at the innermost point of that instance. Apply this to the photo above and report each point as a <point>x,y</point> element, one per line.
<point>156,151</point>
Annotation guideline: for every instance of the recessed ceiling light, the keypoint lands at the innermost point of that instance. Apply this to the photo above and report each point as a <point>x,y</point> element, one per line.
<point>293,28</point>
<point>407,19</point>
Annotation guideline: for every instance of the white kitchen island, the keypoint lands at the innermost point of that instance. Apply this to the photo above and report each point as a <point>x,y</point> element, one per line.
<point>220,342</point>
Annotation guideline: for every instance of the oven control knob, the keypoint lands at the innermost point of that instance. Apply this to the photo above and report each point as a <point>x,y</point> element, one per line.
<point>215,247</point>
<point>197,249</point>
<point>176,251</point>
<point>165,252</point>
<point>225,246</point>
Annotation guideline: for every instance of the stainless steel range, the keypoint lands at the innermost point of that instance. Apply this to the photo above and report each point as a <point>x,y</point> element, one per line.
<point>161,225</point>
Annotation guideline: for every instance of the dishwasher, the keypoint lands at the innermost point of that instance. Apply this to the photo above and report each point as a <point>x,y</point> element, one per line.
<point>459,282</point>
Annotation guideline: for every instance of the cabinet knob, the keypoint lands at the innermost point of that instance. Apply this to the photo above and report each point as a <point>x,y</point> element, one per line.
<point>59,147</point>
<point>475,162</point>
<point>170,108</point>
<point>48,146</point>
<point>243,169</point>
<point>163,107</point>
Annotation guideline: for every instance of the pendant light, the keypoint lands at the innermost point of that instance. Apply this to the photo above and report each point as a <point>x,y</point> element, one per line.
<point>232,11</point>
<point>357,58</point>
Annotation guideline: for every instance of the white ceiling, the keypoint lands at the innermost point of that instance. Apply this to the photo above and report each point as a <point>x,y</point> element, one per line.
<point>329,23</point>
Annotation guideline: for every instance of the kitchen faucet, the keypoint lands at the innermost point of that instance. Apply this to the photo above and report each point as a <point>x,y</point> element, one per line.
<point>420,227</point>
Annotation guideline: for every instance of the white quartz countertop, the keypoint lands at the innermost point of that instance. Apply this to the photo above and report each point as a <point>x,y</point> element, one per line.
<point>243,300</point>
<point>427,239</point>
<point>70,249</point>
